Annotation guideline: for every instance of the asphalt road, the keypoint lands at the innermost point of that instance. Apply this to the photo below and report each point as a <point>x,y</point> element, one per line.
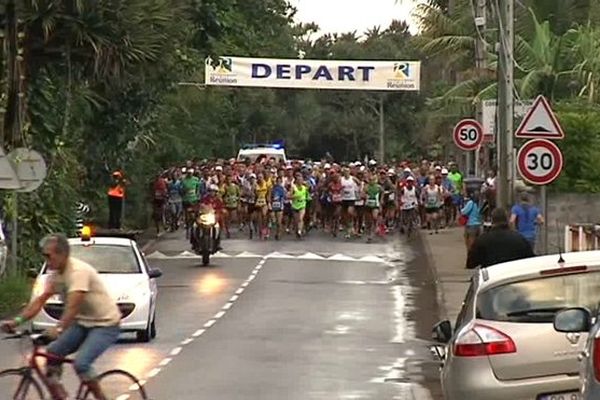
<point>320,318</point>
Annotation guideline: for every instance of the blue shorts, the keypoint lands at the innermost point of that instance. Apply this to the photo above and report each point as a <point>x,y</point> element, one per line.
<point>89,343</point>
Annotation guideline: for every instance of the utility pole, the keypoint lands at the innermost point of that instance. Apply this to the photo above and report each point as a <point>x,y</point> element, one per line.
<point>505,105</point>
<point>381,131</point>
<point>480,64</point>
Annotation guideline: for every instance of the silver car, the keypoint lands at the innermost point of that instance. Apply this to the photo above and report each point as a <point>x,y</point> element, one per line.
<point>503,345</point>
<point>577,321</point>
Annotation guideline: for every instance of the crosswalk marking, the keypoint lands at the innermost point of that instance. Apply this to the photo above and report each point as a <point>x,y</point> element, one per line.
<point>274,255</point>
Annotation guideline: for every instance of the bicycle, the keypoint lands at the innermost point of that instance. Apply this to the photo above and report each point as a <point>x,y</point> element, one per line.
<point>27,383</point>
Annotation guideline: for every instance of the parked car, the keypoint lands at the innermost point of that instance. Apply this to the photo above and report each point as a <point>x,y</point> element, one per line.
<point>504,345</point>
<point>127,275</point>
<point>577,322</point>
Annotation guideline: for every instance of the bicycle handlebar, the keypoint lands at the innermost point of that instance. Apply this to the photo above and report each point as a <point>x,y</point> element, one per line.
<point>38,339</point>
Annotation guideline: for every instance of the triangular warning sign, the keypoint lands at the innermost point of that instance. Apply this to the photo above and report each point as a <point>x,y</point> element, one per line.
<point>540,122</point>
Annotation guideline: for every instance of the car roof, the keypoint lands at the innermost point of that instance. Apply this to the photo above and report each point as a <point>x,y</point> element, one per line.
<point>262,150</point>
<point>531,267</point>
<point>111,241</point>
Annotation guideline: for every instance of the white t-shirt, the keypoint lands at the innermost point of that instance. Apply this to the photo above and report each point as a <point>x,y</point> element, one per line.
<point>409,198</point>
<point>349,189</point>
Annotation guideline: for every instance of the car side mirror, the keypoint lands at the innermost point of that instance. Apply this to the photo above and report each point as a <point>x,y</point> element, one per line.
<point>575,319</point>
<point>154,273</point>
<point>442,331</point>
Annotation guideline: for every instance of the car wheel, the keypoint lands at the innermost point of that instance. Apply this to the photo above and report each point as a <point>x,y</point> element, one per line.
<point>153,327</point>
<point>146,335</point>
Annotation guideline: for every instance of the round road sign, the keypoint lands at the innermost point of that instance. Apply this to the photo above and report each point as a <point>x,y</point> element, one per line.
<point>539,161</point>
<point>468,134</point>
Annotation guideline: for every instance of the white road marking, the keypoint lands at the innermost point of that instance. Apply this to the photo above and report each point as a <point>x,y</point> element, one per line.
<point>187,255</point>
<point>153,373</point>
<point>123,397</point>
<point>209,323</point>
<point>199,332</point>
<point>165,362</point>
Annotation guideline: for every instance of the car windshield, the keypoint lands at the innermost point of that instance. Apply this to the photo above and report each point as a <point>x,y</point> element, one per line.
<point>537,300</point>
<point>254,157</point>
<point>108,259</point>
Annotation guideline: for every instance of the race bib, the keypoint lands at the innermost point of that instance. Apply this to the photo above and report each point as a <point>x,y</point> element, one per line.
<point>372,203</point>
<point>261,202</point>
<point>159,195</point>
<point>336,197</point>
<point>276,205</point>
<point>392,196</point>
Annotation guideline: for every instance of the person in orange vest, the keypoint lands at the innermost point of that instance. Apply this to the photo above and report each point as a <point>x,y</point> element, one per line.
<point>116,195</point>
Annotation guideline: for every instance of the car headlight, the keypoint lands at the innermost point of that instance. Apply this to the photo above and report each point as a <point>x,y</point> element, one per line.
<point>208,219</point>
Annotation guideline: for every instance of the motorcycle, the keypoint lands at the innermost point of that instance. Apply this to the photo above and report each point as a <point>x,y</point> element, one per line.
<point>205,234</point>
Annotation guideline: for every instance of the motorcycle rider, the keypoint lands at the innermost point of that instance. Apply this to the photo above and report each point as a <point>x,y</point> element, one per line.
<point>211,200</point>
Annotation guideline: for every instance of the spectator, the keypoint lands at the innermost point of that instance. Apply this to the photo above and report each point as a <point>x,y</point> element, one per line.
<point>473,213</point>
<point>500,244</point>
<point>525,217</point>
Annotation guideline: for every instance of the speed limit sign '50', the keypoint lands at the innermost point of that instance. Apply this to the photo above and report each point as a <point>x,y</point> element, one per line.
<point>540,161</point>
<point>468,134</point>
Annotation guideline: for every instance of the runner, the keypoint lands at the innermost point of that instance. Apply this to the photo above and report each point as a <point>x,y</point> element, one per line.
<point>299,195</point>
<point>409,206</point>
<point>373,192</point>
<point>231,196</point>
<point>432,198</point>
<point>349,190</point>
<point>277,198</point>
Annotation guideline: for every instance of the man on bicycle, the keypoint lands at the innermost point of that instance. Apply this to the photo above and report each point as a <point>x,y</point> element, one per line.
<point>89,323</point>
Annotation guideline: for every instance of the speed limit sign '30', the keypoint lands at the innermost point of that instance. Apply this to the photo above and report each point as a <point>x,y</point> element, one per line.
<point>540,161</point>
<point>468,134</point>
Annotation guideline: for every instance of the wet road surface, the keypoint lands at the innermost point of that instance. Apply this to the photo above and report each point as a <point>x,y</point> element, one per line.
<point>320,318</point>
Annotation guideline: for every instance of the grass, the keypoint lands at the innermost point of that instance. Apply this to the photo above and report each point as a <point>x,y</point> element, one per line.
<point>15,290</point>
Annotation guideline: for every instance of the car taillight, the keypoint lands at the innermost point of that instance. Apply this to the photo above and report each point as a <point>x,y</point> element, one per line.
<point>481,340</point>
<point>596,358</point>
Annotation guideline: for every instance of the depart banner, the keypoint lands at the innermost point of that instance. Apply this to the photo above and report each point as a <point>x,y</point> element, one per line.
<point>313,74</point>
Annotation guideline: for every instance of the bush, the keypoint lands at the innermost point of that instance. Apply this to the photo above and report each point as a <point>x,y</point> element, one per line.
<point>15,290</point>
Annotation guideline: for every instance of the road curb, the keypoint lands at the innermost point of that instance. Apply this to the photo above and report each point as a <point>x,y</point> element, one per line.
<point>440,295</point>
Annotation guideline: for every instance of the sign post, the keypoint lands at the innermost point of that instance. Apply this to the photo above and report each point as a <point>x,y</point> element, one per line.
<point>468,134</point>
<point>540,162</point>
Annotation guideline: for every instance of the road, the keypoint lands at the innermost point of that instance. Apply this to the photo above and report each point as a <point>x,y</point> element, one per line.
<point>320,318</point>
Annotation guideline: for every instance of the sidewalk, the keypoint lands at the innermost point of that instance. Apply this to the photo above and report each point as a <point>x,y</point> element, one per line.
<point>447,255</point>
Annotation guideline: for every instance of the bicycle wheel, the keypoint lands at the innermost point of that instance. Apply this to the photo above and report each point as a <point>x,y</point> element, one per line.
<point>119,385</point>
<point>20,385</point>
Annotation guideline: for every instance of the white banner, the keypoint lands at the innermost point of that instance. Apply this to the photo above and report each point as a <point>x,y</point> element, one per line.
<point>313,74</point>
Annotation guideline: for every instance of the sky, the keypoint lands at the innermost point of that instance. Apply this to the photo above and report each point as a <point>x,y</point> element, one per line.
<point>340,16</point>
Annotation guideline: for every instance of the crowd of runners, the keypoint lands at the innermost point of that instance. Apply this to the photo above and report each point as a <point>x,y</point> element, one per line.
<point>269,199</point>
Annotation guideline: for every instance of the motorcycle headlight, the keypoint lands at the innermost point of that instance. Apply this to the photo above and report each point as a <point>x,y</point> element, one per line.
<point>208,219</point>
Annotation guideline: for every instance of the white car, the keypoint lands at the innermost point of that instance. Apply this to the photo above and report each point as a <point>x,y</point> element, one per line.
<point>128,278</point>
<point>252,152</point>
